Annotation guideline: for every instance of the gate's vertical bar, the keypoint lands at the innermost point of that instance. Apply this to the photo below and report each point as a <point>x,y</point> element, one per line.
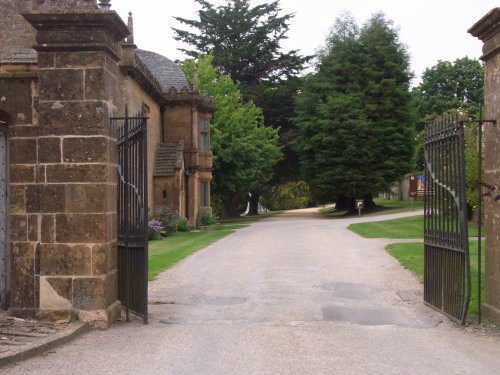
<point>465,235</point>
<point>479,210</point>
<point>126,212</point>
<point>146,245</point>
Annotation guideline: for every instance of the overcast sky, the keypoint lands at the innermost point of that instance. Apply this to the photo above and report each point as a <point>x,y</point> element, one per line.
<point>432,29</point>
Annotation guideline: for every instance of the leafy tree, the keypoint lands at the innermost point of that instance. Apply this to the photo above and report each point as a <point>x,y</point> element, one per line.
<point>354,113</point>
<point>244,41</point>
<point>244,150</point>
<point>449,87</point>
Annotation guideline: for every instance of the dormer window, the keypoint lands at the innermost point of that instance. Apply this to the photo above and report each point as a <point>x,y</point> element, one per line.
<point>204,136</point>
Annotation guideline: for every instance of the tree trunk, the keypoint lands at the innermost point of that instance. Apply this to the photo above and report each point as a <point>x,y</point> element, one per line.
<point>254,203</point>
<point>345,203</point>
<point>231,207</point>
<point>369,203</point>
<point>349,203</point>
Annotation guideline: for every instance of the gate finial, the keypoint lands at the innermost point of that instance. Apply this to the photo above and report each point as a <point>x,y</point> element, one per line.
<point>130,25</point>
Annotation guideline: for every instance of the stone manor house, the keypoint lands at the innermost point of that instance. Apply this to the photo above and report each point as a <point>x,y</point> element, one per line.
<point>66,68</point>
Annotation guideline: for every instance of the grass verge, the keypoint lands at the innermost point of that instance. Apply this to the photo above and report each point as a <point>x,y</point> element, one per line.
<point>165,253</point>
<point>384,207</point>
<point>411,257</point>
<point>407,227</point>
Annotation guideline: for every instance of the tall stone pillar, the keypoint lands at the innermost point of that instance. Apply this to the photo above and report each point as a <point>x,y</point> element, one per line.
<point>72,193</point>
<point>488,30</point>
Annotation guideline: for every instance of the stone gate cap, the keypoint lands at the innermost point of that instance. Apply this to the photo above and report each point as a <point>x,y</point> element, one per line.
<point>487,29</point>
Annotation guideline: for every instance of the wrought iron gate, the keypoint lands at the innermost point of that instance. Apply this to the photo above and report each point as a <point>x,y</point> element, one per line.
<point>447,280</point>
<point>132,214</point>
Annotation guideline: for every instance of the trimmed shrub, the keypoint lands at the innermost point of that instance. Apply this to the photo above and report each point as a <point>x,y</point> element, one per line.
<point>182,225</point>
<point>288,196</point>
<point>206,218</point>
<point>154,230</point>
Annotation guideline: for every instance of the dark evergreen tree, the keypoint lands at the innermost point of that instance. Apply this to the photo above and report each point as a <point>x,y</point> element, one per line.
<point>354,113</point>
<point>244,41</point>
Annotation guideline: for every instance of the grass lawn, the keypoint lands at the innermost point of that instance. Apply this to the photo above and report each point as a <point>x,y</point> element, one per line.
<point>385,207</point>
<point>167,252</point>
<point>408,227</point>
<point>400,206</point>
<point>411,256</point>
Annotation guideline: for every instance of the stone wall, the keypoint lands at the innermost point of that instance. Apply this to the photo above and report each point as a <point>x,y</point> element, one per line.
<point>17,96</point>
<point>15,33</point>
<point>488,30</point>
<point>64,173</point>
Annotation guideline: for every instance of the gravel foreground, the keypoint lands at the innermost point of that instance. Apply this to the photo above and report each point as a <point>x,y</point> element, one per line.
<point>293,294</point>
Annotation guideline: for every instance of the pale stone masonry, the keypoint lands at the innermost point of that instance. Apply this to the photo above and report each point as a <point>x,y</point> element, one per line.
<point>488,30</point>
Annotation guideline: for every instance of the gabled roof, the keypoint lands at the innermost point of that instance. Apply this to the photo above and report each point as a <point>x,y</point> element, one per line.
<point>168,159</point>
<point>166,72</point>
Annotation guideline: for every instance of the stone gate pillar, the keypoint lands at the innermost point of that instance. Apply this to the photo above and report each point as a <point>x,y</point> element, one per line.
<point>488,30</point>
<point>71,192</point>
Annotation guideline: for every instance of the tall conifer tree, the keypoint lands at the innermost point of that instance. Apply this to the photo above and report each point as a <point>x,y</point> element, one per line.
<point>354,114</point>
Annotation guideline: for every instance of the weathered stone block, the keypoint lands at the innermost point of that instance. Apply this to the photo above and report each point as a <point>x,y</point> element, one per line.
<point>48,228</point>
<point>52,198</point>
<point>88,198</point>
<point>79,59</point>
<point>82,228</point>
<point>112,67</point>
<point>113,225</point>
<point>113,151</point>
<point>111,294</point>
<point>112,197</point>
<point>74,118</point>
<point>49,150</point>
<point>56,293</point>
<point>65,260</point>
<point>96,81</point>
<point>18,228</point>
<point>85,150</point>
<point>22,275</point>
<point>40,175</point>
<point>23,151</point>
<point>23,131</point>
<point>36,292</point>
<point>46,60</point>
<point>91,38</point>
<point>89,293</point>
<point>17,199</point>
<point>61,84</point>
<point>33,228</point>
<point>113,256</point>
<point>77,173</point>
<point>101,259</point>
<point>32,198</point>
<point>22,173</point>
<point>18,99</point>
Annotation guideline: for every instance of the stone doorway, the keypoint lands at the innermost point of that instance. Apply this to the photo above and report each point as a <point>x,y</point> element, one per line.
<point>4,250</point>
